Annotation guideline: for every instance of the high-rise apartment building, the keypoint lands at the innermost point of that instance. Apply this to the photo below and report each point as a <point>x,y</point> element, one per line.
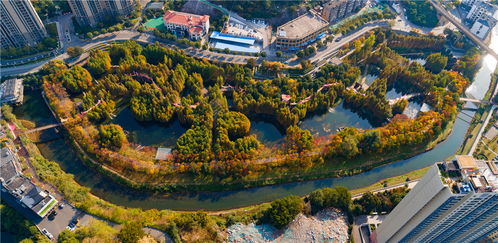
<point>335,10</point>
<point>461,207</point>
<point>90,12</point>
<point>20,24</point>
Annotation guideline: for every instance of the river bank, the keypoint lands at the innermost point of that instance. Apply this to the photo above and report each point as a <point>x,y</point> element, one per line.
<point>108,190</point>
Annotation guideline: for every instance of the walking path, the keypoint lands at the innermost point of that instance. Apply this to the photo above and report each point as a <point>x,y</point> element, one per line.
<point>410,184</point>
<point>481,131</point>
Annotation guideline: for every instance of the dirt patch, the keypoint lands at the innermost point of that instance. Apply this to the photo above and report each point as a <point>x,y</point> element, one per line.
<point>328,225</point>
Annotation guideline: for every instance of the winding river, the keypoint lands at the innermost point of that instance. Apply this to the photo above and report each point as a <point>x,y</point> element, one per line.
<point>60,151</point>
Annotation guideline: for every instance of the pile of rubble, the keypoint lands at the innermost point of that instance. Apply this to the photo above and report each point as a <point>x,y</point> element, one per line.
<point>328,225</point>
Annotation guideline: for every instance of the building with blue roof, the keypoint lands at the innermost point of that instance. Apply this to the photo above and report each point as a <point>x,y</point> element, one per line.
<point>233,42</point>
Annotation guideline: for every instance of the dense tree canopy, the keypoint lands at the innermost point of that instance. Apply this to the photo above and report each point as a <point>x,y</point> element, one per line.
<point>421,13</point>
<point>284,210</point>
<point>338,197</point>
<point>298,140</point>
<point>436,62</point>
<point>131,233</point>
<point>111,136</point>
<point>213,103</point>
<point>99,63</point>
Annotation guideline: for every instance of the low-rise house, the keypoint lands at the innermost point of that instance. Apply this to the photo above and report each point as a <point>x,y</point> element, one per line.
<point>481,27</point>
<point>155,6</point>
<point>25,192</point>
<point>193,26</point>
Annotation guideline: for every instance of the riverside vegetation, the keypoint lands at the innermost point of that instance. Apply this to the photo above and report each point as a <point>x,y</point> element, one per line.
<point>216,151</point>
<point>181,226</point>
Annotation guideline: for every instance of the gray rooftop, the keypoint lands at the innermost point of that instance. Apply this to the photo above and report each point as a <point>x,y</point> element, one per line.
<point>301,26</point>
<point>9,167</point>
<point>19,186</point>
<point>155,5</point>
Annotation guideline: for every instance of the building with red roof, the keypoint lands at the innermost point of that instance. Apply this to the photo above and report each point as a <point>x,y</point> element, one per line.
<point>192,25</point>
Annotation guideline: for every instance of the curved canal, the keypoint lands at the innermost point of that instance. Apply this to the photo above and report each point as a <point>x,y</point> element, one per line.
<point>103,187</point>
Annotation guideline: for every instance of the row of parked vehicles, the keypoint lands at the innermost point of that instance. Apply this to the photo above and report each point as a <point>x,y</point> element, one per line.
<point>71,226</point>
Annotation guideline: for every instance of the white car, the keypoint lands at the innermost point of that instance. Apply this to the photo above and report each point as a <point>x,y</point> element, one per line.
<point>45,232</point>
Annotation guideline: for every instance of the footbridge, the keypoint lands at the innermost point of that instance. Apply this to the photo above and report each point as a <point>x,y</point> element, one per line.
<point>38,129</point>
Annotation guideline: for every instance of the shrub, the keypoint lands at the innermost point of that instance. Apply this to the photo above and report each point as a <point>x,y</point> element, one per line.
<point>75,51</point>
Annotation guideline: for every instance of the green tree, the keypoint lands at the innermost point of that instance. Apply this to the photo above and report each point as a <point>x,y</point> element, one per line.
<point>111,136</point>
<point>349,147</point>
<point>236,123</point>
<point>421,13</point>
<point>298,140</point>
<point>75,51</point>
<point>76,79</point>
<point>400,106</point>
<point>284,210</point>
<point>436,62</point>
<point>131,232</point>
<point>67,236</point>
<point>278,53</point>
<point>99,63</point>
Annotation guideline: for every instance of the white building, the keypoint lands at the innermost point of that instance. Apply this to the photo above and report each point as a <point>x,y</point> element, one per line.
<point>192,25</point>
<point>481,28</point>
<point>12,92</point>
<point>439,209</point>
<point>481,10</point>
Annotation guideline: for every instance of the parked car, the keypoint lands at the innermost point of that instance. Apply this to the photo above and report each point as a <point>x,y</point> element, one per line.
<point>61,206</point>
<point>46,233</point>
<point>72,225</point>
<point>52,215</point>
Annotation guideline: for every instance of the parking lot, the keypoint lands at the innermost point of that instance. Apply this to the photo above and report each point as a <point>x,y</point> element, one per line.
<point>55,225</point>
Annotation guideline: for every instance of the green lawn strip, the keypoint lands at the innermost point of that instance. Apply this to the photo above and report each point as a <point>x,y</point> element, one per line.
<point>410,176</point>
<point>47,207</point>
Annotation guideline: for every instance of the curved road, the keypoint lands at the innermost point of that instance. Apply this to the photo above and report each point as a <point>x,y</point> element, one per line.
<point>123,36</point>
<point>191,51</point>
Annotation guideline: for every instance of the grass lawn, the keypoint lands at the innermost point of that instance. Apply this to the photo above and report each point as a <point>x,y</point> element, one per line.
<point>157,23</point>
<point>413,175</point>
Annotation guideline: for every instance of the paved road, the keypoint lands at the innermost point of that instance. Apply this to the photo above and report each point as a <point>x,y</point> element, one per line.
<point>463,29</point>
<point>335,46</point>
<point>148,38</point>
<point>123,36</point>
